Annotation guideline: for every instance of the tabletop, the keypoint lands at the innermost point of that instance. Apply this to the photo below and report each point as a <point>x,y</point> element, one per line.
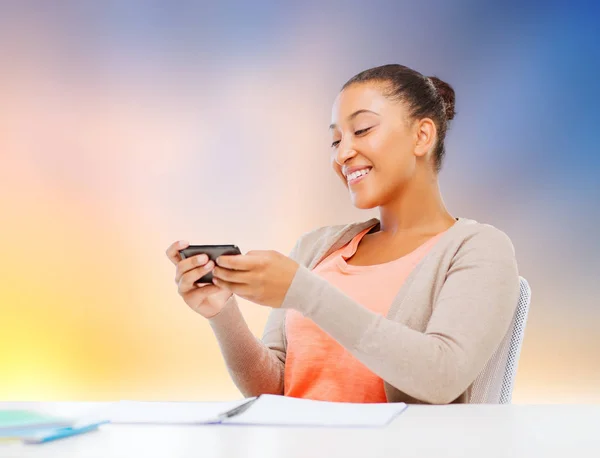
<point>474,430</point>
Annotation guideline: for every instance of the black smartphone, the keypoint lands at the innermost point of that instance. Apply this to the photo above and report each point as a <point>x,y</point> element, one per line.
<point>212,251</point>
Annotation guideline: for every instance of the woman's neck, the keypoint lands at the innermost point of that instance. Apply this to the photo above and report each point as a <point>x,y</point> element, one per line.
<point>418,209</point>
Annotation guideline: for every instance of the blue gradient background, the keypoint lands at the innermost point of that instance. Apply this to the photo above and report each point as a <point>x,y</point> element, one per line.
<point>127,125</point>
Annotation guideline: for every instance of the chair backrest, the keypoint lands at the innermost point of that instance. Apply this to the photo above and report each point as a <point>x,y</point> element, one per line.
<point>495,383</point>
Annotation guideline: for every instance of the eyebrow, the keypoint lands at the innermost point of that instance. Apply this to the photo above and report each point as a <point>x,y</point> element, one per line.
<point>354,115</point>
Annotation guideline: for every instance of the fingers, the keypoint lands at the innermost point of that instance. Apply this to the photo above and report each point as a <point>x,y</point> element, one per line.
<point>241,289</point>
<point>173,251</point>
<point>232,276</point>
<point>187,280</point>
<point>247,261</point>
<point>188,264</point>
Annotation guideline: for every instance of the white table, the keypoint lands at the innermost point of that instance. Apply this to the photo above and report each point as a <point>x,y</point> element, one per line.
<point>464,431</point>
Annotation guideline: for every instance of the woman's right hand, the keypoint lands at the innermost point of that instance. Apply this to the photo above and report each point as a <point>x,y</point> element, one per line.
<point>205,299</point>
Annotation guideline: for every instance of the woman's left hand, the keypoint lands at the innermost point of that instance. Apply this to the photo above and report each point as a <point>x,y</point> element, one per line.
<point>263,277</point>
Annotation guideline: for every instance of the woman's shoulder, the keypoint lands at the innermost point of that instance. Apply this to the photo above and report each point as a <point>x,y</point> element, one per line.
<point>472,233</point>
<point>466,235</point>
<point>465,229</point>
<point>323,237</point>
<point>335,232</point>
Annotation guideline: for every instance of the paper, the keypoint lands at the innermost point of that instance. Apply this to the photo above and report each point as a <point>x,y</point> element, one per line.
<point>266,410</point>
<point>287,411</point>
<point>170,412</point>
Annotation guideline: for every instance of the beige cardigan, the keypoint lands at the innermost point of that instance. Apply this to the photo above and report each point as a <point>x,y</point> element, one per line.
<point>443,326</point>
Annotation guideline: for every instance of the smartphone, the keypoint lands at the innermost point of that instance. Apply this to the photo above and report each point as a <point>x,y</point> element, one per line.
<point>212,251</point>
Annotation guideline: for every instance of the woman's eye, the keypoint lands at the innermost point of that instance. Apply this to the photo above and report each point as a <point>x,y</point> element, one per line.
<point>362,131</point>
<point>358,132</point>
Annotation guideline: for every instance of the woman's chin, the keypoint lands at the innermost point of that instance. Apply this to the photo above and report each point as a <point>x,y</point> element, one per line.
<point>363,201</point>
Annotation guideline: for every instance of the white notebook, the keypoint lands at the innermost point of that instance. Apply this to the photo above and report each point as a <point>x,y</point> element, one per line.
<point>265,410</point>
<point>183,413</point>
<point>287,411</point>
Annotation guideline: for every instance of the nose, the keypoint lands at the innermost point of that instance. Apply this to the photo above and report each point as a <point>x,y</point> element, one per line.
<point>345,151</point>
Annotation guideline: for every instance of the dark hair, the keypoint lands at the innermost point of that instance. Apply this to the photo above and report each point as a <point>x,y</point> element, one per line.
<point>426,97</point>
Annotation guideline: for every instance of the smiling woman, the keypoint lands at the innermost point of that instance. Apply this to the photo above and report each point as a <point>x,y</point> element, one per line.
<point>408,307</point>
<point>392,117</point>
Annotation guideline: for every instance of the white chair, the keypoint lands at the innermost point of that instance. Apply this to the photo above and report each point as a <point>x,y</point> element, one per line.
<point>495,383</point>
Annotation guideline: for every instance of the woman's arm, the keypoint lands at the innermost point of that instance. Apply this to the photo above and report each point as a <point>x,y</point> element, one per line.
<point>255,367</point>
<point>470,317</point>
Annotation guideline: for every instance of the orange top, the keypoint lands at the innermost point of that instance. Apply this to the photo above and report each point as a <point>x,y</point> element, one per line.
<point>318,367</point>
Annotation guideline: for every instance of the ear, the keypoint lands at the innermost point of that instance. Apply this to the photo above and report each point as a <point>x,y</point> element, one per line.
<point>425,135</point>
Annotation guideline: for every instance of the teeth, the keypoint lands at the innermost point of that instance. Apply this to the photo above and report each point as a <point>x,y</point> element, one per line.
<point>357,174</point>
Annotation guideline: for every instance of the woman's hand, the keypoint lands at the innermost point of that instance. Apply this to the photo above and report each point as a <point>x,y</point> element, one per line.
<point>205,299</point>
<point>263,277</point>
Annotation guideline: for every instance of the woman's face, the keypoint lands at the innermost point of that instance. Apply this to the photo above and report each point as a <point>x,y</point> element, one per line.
<point>375,147</point>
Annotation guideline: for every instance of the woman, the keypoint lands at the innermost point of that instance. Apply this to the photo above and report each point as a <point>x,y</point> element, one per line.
<point>408,307</point>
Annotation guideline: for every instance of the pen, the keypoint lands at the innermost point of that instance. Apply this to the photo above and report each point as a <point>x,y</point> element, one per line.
<point>238,410</point>
<point>62,433</point>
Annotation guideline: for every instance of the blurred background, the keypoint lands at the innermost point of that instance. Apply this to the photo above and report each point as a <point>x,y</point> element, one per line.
<point>125,126</point>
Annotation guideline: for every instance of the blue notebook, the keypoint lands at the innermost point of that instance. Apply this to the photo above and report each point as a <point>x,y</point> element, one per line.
<point>34,427</point>
<point>16,421</point>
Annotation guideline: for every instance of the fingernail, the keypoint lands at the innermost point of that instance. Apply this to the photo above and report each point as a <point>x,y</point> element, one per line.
<point>209,265</point>
<point>183,243</point>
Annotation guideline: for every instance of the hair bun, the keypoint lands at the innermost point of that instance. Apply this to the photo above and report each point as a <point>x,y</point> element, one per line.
<point>447,94</point>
